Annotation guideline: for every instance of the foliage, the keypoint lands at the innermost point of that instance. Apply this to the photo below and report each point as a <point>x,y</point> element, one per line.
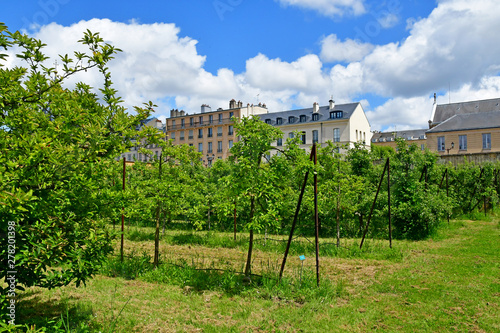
<point>56,147</point>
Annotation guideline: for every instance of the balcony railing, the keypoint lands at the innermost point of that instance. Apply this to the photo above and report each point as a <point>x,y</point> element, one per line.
<point>198,124</point>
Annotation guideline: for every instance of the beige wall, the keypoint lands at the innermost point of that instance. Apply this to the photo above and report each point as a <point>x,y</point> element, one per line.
<point>347,129</point>
<point>474,141</point>
<point>393,144</point>
<point>225,138</point>
<point>359,127</point>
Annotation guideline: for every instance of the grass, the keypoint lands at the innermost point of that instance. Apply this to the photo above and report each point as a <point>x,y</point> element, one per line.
<point>450,282</point>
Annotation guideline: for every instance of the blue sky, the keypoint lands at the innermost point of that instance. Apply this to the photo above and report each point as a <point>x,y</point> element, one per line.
<point>389,55</point>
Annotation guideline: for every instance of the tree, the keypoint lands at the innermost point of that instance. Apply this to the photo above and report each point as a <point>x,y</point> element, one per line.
<point>56,144</point>
<point>253,179</point>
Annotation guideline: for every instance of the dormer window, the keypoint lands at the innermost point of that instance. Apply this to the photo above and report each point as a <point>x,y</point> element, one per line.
<point>336,114</point>
<point>302,118</point>
<point>315,117</point>
<point>279,121</point>
<point>268,121</point>
<point>291,119</point>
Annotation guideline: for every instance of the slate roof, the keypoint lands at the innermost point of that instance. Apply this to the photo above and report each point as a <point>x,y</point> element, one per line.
<point>469,121</point>
<point>446,111</point>
<point>323,114</point>
<point>415,134</point>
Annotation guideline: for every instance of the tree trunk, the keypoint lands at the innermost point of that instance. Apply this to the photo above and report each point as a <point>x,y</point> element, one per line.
<point>157,237</point>
<point>338,216</point>
<point>235,220</point>
<point>248,268</point>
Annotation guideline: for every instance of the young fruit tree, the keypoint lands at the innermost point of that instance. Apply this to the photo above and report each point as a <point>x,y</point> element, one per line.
<point>254,177</point>
<point>55,146</point>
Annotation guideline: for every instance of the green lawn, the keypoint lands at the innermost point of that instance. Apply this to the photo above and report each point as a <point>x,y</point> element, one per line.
<point>450,282</point>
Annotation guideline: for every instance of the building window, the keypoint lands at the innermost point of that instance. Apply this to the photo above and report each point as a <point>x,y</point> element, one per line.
<point>210,132</point>
<point>315,136</point>
<point>201,120</point>
<point>291,119</point>
<point>211,119</point>
<point>315,116</point>
<point>231,114</point>
<point>219,131</point>
<point>200,133</point>
<point>129,158</point>
<point>181,135</point>
<point>303,138</point>
<point>209,148</point>
<point>173,124</point>
<point>302,118</point>
<point>200,147</point>
<point>190,145</point>
<point>230,143</point>
<point>230,130</point>
<point>268,121</point>
<point>441,143</point>
<point>190,137</point>
<point>172,135</point>
<point>336,135</point>
<point>462,142</point>
<point>291,135</point>
<point>486,140</point>
<point>219,146</point>
<point>279,121</point>
<point>279,142</point>
<point>220,118</point>
<point>422,146</point>
<point>191,121</point>
<point>183,123</point>
<point>336,114</point>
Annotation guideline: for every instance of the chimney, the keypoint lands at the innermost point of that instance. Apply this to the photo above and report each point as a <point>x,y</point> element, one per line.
<point>332,104</point>
<point>172,113</point>
<point>232,104</point>
<point>182,113</point>
<point>315,107</point>
<point>435,100</point>
<point>240,104</point>
<point>205,108</point>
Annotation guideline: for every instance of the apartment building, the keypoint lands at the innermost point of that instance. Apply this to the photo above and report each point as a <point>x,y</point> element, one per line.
<point>465,128</point>
<point>388,139</point>
<point>210,132</point>
<point>133,154</point>
<point>343,123</point>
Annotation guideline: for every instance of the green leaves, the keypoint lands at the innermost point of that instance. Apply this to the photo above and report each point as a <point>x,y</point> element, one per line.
<point>56,148</point>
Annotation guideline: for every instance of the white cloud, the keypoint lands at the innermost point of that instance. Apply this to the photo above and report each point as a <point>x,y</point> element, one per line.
<point>332,8</point>
<point>401,113</point>
<point>334,50</point>
<point>388,20</point>
<point>455,45</point>
<point>304,75</point>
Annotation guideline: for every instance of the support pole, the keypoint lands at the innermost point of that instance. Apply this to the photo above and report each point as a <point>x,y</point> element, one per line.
<point>447,192</point>
<point>294,223</point>
<point>123,211</point>
<point>156,259</point>
<point>389,199</point>
<point>316,217</point>
<point>338,206</point>
<point>373,205</point>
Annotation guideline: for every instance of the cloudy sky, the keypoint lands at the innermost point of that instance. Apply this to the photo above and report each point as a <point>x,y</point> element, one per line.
<point>391,56</point>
